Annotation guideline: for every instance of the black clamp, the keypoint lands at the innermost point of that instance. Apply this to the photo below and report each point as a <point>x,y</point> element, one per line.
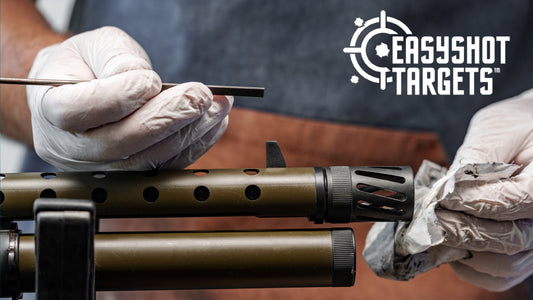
<point>64,249</point>
<point>9,243</point>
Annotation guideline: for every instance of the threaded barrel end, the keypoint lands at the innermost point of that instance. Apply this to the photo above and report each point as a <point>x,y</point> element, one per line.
<point>343,257</point>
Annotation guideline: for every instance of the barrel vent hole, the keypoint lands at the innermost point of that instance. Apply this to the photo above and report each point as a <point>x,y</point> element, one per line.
<point>252,192</point>
<point>150,194</point>
<point>48,193</point>
<point>48,175</point>
<point>201,193</point>
<point>99,175</point>
<point>251,171</point>
<point>99,195</point>
<point>200,172</point>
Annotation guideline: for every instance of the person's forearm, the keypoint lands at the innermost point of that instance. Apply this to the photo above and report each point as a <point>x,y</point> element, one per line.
<point>23,32</point>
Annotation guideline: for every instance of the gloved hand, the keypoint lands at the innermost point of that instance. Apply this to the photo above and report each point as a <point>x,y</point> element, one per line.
<point>479,217</point>
<point>119,119</point>
<point>494,220</point>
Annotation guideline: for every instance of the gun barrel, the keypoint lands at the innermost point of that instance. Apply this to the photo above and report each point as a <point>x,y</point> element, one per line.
<point>333,194</point>
<point>194,260</point>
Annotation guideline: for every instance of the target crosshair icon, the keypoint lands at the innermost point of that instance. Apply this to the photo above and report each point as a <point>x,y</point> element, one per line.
<point>360,50</point>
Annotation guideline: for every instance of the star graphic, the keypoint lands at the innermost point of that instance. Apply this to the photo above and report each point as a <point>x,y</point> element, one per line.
<point>358,22</point>
<point>382,50</point>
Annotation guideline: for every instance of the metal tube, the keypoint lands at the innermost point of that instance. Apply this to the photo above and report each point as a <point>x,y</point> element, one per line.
<point>266,192</point>
<point>215,89</point>
<point>198,260</point>
<point>333,194</point>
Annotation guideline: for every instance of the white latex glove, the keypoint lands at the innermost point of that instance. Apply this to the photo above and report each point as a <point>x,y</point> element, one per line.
<point>479,216</point>
<point>119,119</point>
<point>494,220</point>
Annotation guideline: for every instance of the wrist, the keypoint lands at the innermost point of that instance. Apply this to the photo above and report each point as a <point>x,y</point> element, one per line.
<point>23,33</point>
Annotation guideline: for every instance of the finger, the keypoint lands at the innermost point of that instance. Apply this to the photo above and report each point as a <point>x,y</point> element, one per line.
<point>477,234</point>
<point>109,51</point>
<point>499,133</point>
<point>59,62</point>
<point>167,113</point>
<point>506,199</point>
<point>486,281</point>
<point>171,153</point>
<point>91,104</point>
<point>148,159</point>
<point>196,150</point>
<point>162,116</point>
<point>500,265</point>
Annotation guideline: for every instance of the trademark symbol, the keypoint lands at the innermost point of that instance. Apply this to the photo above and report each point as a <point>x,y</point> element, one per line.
<point>496,70</point>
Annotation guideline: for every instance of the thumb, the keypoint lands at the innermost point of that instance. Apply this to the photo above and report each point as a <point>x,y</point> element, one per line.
<point>109,51</point>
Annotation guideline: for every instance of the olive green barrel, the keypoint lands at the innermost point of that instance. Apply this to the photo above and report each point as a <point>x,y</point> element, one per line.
<point>261,192</point>
<point>213,260</point>
<point>333,194</point>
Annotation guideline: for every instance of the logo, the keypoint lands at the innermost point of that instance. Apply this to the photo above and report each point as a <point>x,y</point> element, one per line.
<point>384,51</point>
